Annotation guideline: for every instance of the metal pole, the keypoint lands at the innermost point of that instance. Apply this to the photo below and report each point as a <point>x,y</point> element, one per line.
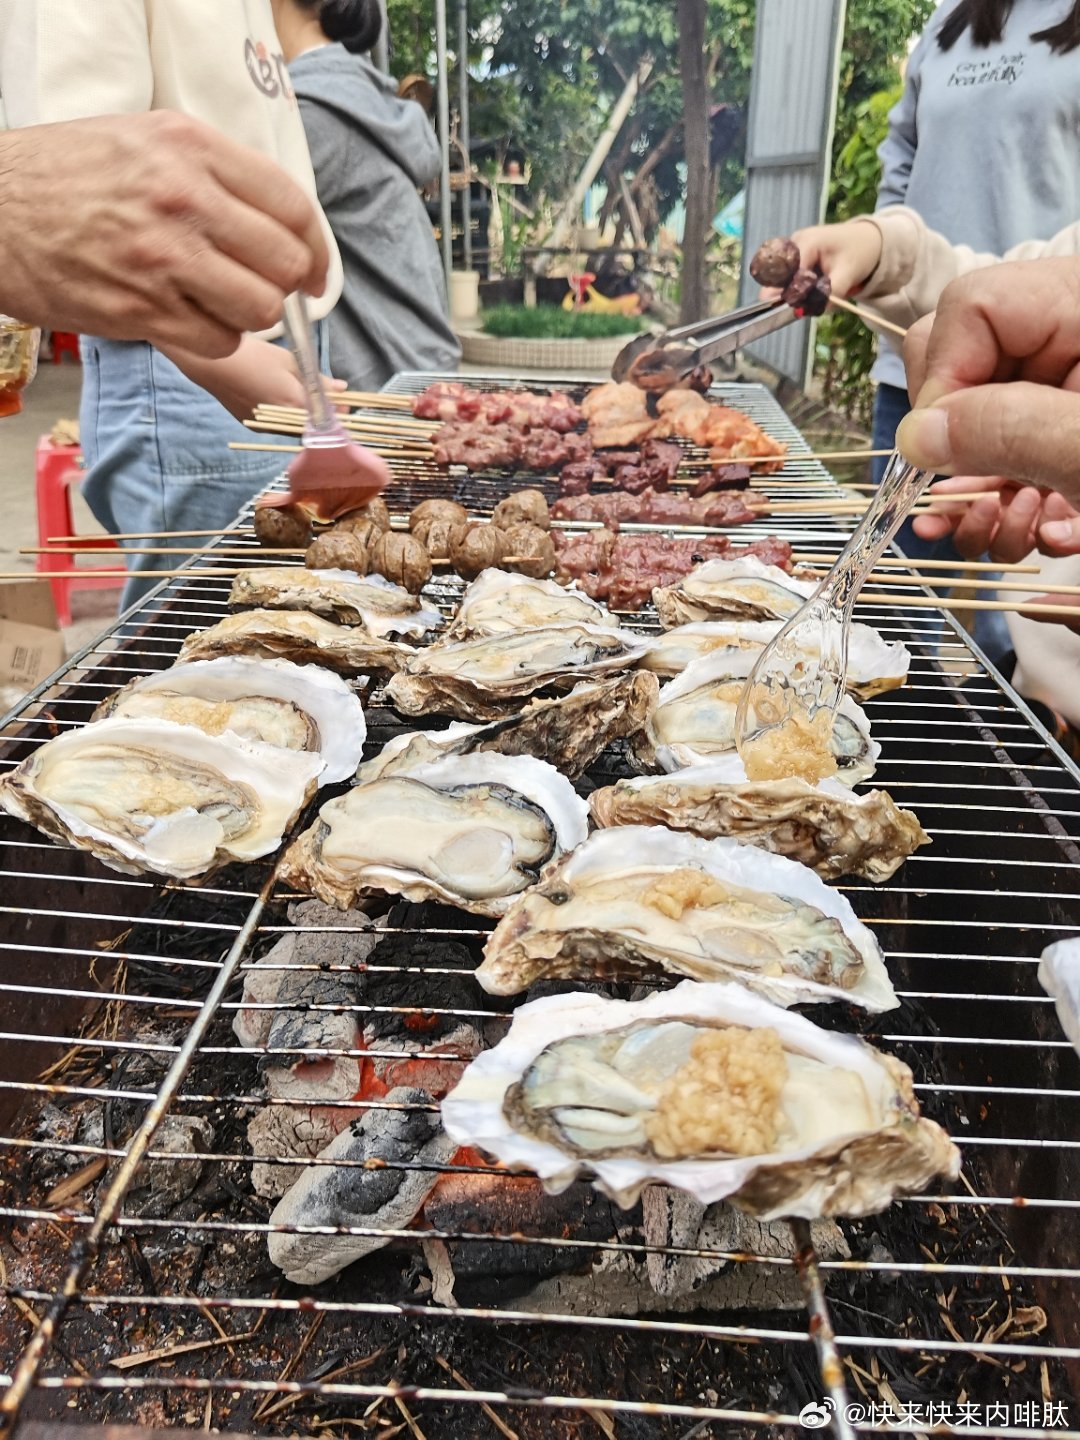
<point>381,53</point>
<point>445,217</point>
<point>463,125</point>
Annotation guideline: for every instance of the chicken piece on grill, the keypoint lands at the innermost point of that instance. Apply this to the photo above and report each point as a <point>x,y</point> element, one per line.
<point>618,415</point>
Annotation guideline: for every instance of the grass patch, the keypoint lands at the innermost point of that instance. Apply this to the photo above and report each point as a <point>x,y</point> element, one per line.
<point>552,322</point>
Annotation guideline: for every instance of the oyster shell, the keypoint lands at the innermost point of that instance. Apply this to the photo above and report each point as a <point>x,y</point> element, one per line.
<point>643,901</point>
<point>637,1092</point>
<point>151,795</point>
<point>824,826</point>
<point>694,721</point>
<point>470,831</point>
<point>742,589</point>
<point>484,678</point>
<point>294,635</point>
<point>569,731</point>
<point>295,707</point>
<point>874,664</point>
<point>377,605</point>
<point>1059,976</point>
<point>497,601</point>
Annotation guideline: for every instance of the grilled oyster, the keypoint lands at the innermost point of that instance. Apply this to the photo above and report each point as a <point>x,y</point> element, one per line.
<point>734,589</point>
<point>470,831</point>
<point>824,826</point>
<point>706,1088</point>
<point>643,901</point>
<point>874,664</point>
<point>295,707</point>
<point>377,605</point>
<point>294,635</point>
<point>151,795</point>
<point>569,731</point>
<point>496,602</point>
<point>694,722</point>
<point>484,678</point>
<point>1059,976</point>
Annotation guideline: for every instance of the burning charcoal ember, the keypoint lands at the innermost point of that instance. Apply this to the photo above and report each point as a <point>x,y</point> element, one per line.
<point>775,263</point>
<point>386,1197</point>
<point>164,1180</point>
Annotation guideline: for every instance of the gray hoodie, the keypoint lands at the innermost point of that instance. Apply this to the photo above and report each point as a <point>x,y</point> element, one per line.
<point>371,152</point>
<point>985,143</point>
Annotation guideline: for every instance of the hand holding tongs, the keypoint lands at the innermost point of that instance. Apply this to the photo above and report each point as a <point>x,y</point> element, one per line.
<point>661,362</point>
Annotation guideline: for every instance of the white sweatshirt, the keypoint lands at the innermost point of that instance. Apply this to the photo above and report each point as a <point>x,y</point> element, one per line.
<point>216,60</point>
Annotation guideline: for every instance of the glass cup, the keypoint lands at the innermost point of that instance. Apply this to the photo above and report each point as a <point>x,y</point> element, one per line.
<point>19,346</point>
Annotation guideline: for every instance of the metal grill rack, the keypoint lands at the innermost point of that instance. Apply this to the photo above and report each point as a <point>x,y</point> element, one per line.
<point>118,999</point>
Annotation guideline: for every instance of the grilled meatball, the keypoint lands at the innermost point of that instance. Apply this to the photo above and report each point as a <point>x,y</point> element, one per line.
<point>365,530</point>
<point>374,510</point>
<point>402,559</point>
<point>337,550</point>
<point>529,551</point>
<point>474,548</point>
<point>775,263</point>
<point>434,535</point>
<point>526,507</point>
<point>448,510</point>
<point>286,527</point>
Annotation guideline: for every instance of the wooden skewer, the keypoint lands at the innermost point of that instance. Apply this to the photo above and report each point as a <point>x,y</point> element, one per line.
<point>278,427</point>
<point>868,317</point>
<point>255,555</point>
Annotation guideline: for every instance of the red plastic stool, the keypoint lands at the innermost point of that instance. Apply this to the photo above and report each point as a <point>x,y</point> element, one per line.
<point>57,468</point>
<point>64,343</point>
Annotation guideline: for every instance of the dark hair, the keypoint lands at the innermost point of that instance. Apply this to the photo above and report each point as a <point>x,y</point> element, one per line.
<point>357,24</point>
<point>986,19</point>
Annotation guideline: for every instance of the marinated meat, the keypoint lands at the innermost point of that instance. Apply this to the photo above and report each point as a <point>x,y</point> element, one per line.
<point>722,477</point>
<point>622,570</point>
<point>617,415</point>
<point>451,401</point>
<point>650,508</point>
<point>479,446</point>
<point>727,434</point>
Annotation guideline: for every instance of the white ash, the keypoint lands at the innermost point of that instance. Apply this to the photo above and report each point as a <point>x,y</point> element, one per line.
<point>386,1198</point>
<point>284,977</point>
<point>162,1182</point>
<point>677,1220</point>
<point>288,1131</point>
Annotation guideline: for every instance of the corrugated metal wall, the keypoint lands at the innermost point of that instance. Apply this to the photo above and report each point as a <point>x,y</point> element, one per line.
<point>792,112</point>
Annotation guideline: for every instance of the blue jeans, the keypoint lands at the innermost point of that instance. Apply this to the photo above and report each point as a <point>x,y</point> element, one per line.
<point>157,456</point>
<point>990,631</point>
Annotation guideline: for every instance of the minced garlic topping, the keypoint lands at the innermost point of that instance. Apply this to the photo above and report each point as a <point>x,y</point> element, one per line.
<point>685,889</point>
<point>725,1098</point>
<point>799,749</point>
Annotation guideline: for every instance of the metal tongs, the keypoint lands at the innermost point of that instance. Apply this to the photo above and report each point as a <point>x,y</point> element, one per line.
<point>661,362</point>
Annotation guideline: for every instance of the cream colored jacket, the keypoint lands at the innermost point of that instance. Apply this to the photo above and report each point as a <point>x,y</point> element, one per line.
<point>216,60</point>
<point>917,263</point>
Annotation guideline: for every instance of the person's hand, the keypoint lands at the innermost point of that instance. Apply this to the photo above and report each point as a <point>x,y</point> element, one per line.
<point>1008,522</point>
<point>848,253</point>
<point>256,373</point>
<point>995,376</point>
<point>151,227</point>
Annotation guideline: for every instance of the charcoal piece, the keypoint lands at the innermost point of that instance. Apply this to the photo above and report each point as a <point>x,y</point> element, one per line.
<point>501,1204</point>
<point>775,262</point>
<point>382,1198</point>
<point>168,1177</point>
<point>334,938</point>
<point>293,1132</point>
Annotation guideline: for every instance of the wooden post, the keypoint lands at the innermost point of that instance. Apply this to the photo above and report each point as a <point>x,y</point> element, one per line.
<point>695,285</point>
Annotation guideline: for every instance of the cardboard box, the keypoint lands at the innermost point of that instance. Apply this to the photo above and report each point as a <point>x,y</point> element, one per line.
<point>31,645</point>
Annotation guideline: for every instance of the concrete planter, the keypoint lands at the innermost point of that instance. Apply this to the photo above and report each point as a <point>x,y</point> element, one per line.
<point>565,356</point>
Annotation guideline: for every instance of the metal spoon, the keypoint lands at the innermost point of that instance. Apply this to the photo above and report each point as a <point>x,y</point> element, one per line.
<point>800,673</point>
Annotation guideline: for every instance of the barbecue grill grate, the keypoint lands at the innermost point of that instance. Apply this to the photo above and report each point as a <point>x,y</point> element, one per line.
<point>119,995</point>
